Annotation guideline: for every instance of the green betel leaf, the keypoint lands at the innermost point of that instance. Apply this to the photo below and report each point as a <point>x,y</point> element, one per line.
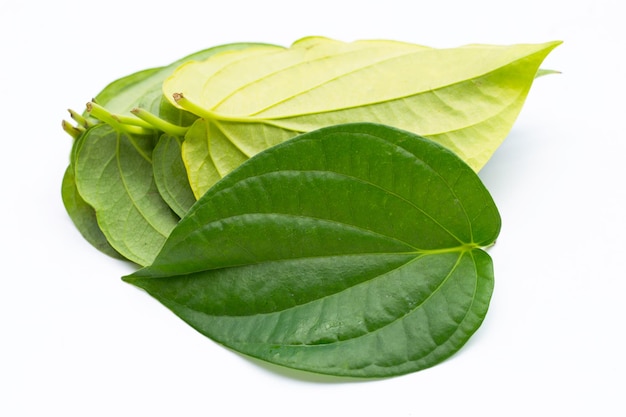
<point>83,215</point>
<point>352,250</point>
<point>114,175</point>
<point>465,98</point>
<point>138,90</point>
<point>170,174</point>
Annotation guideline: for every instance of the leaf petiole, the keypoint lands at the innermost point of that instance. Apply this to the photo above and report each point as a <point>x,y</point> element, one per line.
<point>206,114</point>
<point>121,123</point>
<point>82,121</point>
<point>183,102</point>
<point>73,131</point>
<point>159,123</point>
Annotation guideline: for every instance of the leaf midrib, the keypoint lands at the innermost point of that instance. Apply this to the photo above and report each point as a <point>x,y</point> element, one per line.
<point>418,253</point>
<point>362,181</point>
<point>127,189</point>
<point>386,324</point>
<point>462,252</point>
<point>291,67</point>
<point>213,114</point>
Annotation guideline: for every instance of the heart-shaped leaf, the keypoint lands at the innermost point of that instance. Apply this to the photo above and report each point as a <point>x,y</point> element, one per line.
<point>352,250</point>
<point>465,98</point>
<point>114,175</point>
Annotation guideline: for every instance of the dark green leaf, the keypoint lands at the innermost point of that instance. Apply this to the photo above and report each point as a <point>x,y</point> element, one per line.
<point>352,250</point>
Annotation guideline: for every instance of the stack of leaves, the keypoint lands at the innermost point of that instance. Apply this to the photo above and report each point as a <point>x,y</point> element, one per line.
<point>315,206</point>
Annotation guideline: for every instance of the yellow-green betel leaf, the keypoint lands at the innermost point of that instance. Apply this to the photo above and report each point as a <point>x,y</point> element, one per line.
<point>465,98</point>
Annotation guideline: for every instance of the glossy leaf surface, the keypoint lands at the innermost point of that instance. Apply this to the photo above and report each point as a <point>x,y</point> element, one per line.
<point>352,250</point>
<point>465,98</point>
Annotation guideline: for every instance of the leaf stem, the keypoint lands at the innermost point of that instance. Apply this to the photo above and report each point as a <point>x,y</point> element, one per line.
<point>73,131</point>
<point>97,111</point>
<point>123,123</point>
<point>206,114</point>
<point>82,121</point>
<point>159,123</point>
<point>192,107</point>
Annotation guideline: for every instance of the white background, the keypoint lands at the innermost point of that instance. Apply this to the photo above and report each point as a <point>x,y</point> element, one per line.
<point>77,341</point>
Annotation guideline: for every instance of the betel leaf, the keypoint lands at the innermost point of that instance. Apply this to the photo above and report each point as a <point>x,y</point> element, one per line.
<point>83,215</point>
<point>144,88</point>
<point>352,250</point>
<point>170,174</point>
<point>114,175</point>
<point>209,154</point>
<point>141,89</point>
<point>119,96</point>
<point>465,98</point>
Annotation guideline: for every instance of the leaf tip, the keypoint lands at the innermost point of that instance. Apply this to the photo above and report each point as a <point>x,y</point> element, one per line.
<point>130,279</point>
<point>541,72</point>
